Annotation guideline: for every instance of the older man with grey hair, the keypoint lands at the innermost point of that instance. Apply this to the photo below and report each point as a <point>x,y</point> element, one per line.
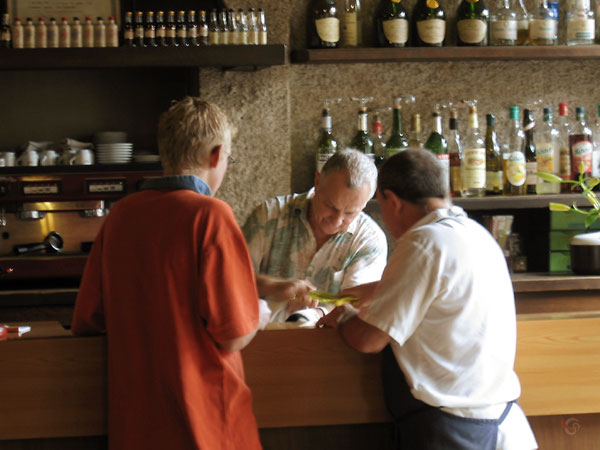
<point>319,239</point>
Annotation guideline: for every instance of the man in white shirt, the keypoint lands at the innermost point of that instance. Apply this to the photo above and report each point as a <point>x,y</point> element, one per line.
<point>444,315</point>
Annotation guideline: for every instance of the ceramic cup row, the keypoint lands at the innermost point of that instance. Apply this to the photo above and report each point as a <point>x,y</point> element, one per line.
<point>48,157</point>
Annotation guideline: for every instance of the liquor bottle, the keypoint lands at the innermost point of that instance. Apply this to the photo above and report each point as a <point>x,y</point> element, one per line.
<point>181,30</point>
<point>242,22</point>
<point>161,29</point>
<point>530,153</point>
<point>6,33</point>
<point>580,145</point>
<point>52,30</point>
<point>112,33</point>
<point>564,131</point>
<point>328,145</point>
<point>224,37</point>
<point>472,17</point>
<point>234,34</point>
<point>128,33</point>
<point>99,33</point>
<point>76,33</point>
<point>397,141</point>
<point>378,141</point>
<point>596,153</point>
<point>323,24</point>
<point>522,23</point>
<point>252,27</point>
<point>514,158</point>
<point>262,27</point>
<point>547,153</point>
<point>493,158</point>
<point>213,29</point>
<point>437,144</point>
<point>473,168</point>
<point>171,33</point>
<point>28,34</point>
<point>414,137</point>
<point>41,34</point>
<point>64,33</point>
<point>351,24</point>
<point>581,24</point>
<point>17,34</point>
<point>138,30</point>
<point>150,30</point>
<point>392,24</point>
<point>362,141</point>
<point>428,24</point>
<point>203,30</point>
<point>503,25</point>
<point>455,154</point>
<point>192,29</point>
<point>543,27</point>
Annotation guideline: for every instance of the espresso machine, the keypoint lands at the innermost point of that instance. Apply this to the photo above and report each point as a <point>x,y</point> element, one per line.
<point>49,217</point>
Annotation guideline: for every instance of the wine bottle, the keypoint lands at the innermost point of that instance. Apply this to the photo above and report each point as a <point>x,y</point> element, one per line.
<point>580,145</point>
<point>328,145</point>
<point>161,29</point>
<point>414,138</point>
<point>397,141</point>
<point>150,30</point>
<point>503,25</point>
<point>564,131</point>
<point>472,17</point>
<point>455,154</point>
<point>138,31</point>
<point>351,24</point>
<point>546,150</point>
<point>252,27</point>
<point>202,29</point>
<point>429,24</point>
<point>323,24</point>
<point>378,142</point>
<point>514,158</point>
<point>181,34</point>
<point>192,29</point>
<point>362,141</point>
<point>392,24</point>
<point>493,158</point>
<point>437,144</point>
<point>473,161</point>
<point>530,153</point>
<point>128,33</point>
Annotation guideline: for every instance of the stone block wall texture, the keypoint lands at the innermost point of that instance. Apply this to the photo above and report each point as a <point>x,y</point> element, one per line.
<point>277,109</point>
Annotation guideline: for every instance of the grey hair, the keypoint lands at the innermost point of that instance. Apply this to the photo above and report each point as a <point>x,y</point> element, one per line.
<point>361,169</point>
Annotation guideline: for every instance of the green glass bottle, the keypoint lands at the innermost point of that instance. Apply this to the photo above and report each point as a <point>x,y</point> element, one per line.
<point>493,158</point>
<point>437,144</point>
<point>362,141</point>
<point>530,152</point>
<point>328,145</point>
<point>392,24</point>
<point>397,141</point>
<point>472,18</point>
<point>323,24</point>
<point>428,24</point>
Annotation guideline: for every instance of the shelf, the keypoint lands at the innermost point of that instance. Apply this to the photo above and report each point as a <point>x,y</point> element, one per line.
<point>546,282</point>
<point>424,54</point>
<point>92,169</point>
<point>225,56</point>
<point>518,201</point>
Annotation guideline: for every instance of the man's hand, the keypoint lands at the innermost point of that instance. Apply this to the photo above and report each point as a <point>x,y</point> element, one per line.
<point>294,292</point>
<point>338,316</point>
<point>364,293</point>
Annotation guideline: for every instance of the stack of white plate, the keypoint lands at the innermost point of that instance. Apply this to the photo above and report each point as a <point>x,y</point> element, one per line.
<point>115,153</point>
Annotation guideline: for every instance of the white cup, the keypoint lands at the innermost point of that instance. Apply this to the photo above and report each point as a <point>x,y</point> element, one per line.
<point>9,158</point>
<point>28,158</point>
<point>2,161</point>
<point>66,156</point>
<point>83,157</point>
<point>48,158</point>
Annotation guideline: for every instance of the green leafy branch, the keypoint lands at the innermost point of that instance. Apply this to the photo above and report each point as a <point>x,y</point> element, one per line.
<point>586,184</point>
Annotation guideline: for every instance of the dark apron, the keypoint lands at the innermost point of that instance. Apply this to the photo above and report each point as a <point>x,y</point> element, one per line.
<point>419,426</point>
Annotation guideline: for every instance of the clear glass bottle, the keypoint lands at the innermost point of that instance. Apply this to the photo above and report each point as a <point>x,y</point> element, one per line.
<point>472,170</point>
<point>392,24</point>
<point>581,24</point>
<point>161,29</point>
<point>203,30</point>
<point>262,27</point>
<point>547,153</point>
<point>243,26</point>
<point>223,28</point>
<point>428,24</point>
<point>64,33</point>
<point>52,33</point>
<point>397,141</point>
<point>543,26</point>
<point>596,139</point>
<point>351,24</point>
<point>77,33</point>
<point>455,154</point>
<point>513,159</point>
<point>522,23</point>
<point>252,27</point>
<point>493,158</point>
<point>472,18</point>
<point>414,136</point>
<point>17,34</point>
<point>503,25</point>
<point>530,153</point>
<point>328,145</point>
<point>580,145</point>
<point>41,34</point>
<point>564,131</point>
<point>213,29</point>
<point>192,29</point>
<point>234,32</point>
<point>362,141</point>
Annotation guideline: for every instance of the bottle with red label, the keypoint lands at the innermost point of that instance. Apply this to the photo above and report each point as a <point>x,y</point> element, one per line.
<point>580,145</point>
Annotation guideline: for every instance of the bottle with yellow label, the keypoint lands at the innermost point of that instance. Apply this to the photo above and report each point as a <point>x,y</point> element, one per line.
<point>472,17</point>
<point>392,24</point>
<point>429,24</point>
<point>351,31</point>
<point>514,158</point>
<point>472,167</point>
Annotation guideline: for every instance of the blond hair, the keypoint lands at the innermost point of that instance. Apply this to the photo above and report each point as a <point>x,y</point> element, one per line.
<point>188,131</point>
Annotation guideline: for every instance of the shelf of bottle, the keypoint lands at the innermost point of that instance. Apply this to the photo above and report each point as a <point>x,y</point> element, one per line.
<point>424,54</point>
<point>518,201</point>
<point>226,56</point>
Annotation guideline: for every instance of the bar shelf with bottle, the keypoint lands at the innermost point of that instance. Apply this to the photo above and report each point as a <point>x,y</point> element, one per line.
<point>518,201</point>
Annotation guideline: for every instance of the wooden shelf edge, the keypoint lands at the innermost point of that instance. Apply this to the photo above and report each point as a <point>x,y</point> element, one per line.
<point>424,54</point>
<point>546,282</point>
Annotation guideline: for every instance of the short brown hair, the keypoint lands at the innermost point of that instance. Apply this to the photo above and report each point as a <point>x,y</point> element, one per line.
<point>188,131</point>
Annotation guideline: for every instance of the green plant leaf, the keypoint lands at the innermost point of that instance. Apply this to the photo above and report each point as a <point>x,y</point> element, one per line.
<point>590,219</point>
<point>549,177</point>
<point>593,182</point>
<point>560,207</point>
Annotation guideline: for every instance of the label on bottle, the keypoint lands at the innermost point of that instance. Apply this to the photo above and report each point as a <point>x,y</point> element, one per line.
<point>493,181</point>
<point>322,158</point>
<point>542,29</point>
<point>396,31</point>
<point>139,32</point>
<point>262,38</point>
<point>544,153</point>
<point>581,29</point>
<point>328,29</point>
<point>444,159</point>
<point>234,37</point>
<point>432,31</point>
<point>204,32</point>
<point>474,168</point>
<point>149,33</point>
<point>455,179</point>
<point>516,172</point>
<point>505,30</point>
<point>161,32</point>
<point>213,37</point>
<point>350,29</point>
<point>531,169</point>
<point>581,151</point>
<point>128,35</point>
<point>472,31</point>
<point>171,33</point>
<point>181,33</point>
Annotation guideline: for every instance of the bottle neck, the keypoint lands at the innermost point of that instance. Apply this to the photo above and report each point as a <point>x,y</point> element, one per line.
<point>362,122</point>
<point>437,124</point>
<point>473,121</point>
<point>397,125</point>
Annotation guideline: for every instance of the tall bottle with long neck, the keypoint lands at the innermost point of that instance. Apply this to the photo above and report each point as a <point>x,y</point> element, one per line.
<point>428,24</point>
<point>514,157</point>
<point>472,17</point>
<point>530,153</point>
<point>414,137</point>
<point>580,144</point>
<point>361,140</point>
<point>351,24</point>
<point>547,152</point>
<point>378,141</point>
<point>564,131</point>
<point>493,158</point>
<point>455,154</point>
<point>438,145</point>
<point>328,145</point>
<point>473,162</point>
<point>397,141</point>
<point>323,24</point>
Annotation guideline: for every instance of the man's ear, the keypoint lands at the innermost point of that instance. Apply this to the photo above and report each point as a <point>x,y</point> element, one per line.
<point>396,202</point>
<point>317,177</point>
<point>215,156</point>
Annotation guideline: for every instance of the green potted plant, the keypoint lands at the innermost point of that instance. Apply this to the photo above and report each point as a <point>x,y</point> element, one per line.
<point>585,247</point>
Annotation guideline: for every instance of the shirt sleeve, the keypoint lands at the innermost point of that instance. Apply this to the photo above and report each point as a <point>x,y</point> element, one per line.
<point>88,317</point>
<point>254,234</point>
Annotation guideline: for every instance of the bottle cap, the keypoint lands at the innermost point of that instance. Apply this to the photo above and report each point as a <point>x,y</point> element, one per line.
<point>547,112</point>
<point>490,119</point>
<point>563,109</point>
<point>514,113</point>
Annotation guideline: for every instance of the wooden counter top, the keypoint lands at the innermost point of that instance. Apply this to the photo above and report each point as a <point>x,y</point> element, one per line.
<point>545,282</point>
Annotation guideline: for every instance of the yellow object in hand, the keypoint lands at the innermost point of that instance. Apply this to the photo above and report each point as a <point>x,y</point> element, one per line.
<point>326,297</point>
